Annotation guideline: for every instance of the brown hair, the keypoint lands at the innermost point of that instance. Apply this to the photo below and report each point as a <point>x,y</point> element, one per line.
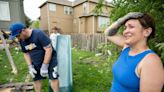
<point>147,21</point>
<point>58,30</point>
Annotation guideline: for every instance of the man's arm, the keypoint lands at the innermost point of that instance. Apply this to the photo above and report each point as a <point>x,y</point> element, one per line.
<point>27,58</point>
<point>47,58</point>
<point>46,44</point>
<point>48,54</point>
<point>32,70</point>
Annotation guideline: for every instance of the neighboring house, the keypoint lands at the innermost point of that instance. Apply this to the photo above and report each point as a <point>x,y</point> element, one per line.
<point>76,17</point>
<point>11,11</point>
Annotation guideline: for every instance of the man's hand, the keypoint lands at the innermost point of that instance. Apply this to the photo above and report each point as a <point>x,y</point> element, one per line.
<point>44,70</point>
<point>32,71</point>
<point>112,30</point>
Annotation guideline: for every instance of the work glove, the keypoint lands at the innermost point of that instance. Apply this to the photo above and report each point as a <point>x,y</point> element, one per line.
<point>44,70</point>
<point>32,71</point>
<point>112,30</point>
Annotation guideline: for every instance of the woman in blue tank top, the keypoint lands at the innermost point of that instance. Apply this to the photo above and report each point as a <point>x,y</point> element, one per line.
<point>138,68</point>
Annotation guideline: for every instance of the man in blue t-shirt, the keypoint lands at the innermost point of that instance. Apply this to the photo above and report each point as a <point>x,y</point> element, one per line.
<point>38,53</point>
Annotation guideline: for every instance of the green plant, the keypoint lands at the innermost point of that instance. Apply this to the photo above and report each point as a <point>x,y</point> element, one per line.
<point>35,24</point>
<point>106,47</point>
<point>160,47</point>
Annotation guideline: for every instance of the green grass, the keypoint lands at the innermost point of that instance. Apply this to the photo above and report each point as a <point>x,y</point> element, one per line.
<point>6,75</point>
<point>90,73</point>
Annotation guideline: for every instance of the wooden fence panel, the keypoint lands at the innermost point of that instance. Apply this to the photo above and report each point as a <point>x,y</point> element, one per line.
<point>87,42</point>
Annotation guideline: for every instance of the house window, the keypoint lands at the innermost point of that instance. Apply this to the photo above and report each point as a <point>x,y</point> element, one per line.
<point>85,8</point>
<point>68,10</point>
<point>103,22</point>
<point>52,7</point>
<point>4,11</point>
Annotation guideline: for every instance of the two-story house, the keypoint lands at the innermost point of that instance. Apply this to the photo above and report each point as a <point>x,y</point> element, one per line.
<point>11,11</point>
<point>73,17</point>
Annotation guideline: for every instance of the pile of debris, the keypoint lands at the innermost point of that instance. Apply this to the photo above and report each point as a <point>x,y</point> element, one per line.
<point>17,87</point>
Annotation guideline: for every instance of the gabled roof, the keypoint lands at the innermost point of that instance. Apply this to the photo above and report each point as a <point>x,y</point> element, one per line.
<point>72,4</point>
<point>60,2</point>
<point>78,2</point>
<point>92,14</point>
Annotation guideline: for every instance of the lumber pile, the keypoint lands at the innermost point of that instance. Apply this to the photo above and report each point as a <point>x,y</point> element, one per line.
<point>17,87</point>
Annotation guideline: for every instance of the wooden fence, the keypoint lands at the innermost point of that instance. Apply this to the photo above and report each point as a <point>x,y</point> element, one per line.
<point>87,42</point>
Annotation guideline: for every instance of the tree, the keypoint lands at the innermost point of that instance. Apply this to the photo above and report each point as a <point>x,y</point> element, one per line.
<point>35,24</point>
<point>28,21</point>
<point>152,7</point>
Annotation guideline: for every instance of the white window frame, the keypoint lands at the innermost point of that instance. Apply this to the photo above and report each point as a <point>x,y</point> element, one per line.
<point>4,11</point>
<point>65,10</point>
<point>103,21</point>
<point>68,10</point>
<point>85,7</point>
<point>52,7</point>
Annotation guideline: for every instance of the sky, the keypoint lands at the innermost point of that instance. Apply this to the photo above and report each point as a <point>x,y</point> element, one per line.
<point>31,8</point>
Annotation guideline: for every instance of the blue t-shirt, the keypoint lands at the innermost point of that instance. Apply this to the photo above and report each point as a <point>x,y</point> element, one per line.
<point>34,45</point>
<point>125,78</point>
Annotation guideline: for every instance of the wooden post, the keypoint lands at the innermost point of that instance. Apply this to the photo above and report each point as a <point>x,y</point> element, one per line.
<point>14,69</point>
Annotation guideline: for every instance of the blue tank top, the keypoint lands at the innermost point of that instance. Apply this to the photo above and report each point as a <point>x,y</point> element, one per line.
<point>125,78</point>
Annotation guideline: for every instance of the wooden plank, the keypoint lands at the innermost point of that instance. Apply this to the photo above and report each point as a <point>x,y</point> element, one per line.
<point>7,41</point>
<point>26,85</point>
<point>5,90</point>
<point>14,69</point>
<point>17,87</point>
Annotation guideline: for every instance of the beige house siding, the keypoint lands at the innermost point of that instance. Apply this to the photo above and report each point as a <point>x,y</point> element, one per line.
<point>83,25</point>
<point>43,18</point>
<point>82,20</point>
<point>76,13</point>
<point>67,25</point>
<point>76,22</point>
<point>89,25</point>
<point>56,18</point>
<point>61,20</point>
